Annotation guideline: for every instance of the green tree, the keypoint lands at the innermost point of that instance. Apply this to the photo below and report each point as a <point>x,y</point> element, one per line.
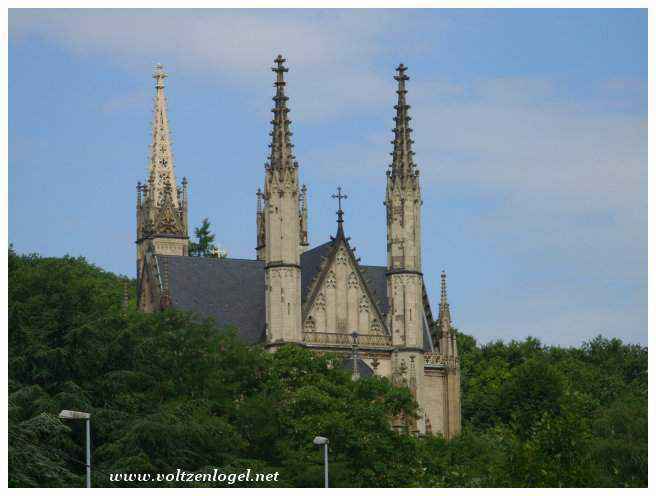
<point>204,245</point>
<point>171,390</point>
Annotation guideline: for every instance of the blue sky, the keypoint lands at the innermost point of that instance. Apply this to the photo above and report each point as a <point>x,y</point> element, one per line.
<point>530,131</point>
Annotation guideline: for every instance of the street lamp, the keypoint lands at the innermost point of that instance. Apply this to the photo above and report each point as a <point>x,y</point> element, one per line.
<point>73,415</point>
<point>319,441</point>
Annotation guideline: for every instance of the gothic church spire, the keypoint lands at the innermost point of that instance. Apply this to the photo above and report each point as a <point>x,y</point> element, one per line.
<point>281,156</point>
<point>162,205</point>
<point>402,162</point>
<point>161,170</point>
<point>283,223</point>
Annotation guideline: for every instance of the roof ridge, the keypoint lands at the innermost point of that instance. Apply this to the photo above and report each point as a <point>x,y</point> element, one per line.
<point>212,258</point>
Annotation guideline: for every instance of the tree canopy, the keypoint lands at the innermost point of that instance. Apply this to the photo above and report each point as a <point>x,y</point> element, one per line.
<point>170,390</point>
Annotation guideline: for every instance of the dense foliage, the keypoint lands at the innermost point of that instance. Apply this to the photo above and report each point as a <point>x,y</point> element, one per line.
<point>167,391</point>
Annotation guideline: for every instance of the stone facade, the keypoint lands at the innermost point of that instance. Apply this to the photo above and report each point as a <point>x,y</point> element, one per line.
<point>323,298</point>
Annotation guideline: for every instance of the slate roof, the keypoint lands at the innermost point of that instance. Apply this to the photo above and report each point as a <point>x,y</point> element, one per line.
<point>310,263</point>
<point>376,280</point>
<point>363,369</point>
<point>231,290</point>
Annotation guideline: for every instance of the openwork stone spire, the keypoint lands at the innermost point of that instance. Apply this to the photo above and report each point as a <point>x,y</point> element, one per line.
<point>281,156</point>
<point>161,157</point>
<point>161,203</point>
<point>402,163</point>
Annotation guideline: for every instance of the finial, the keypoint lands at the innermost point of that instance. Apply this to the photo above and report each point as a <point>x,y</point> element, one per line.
<point>443,288</point>
<point>280,70</point>
<point>340,212</point>
<point>402,75</point>
<point>159,75</point>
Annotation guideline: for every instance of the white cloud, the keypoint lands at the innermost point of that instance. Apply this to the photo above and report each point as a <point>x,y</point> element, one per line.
<point>568,180</point>
<point>329,52</point>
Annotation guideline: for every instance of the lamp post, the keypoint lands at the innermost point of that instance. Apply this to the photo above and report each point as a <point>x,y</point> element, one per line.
<point>319,441</point>
<point>73,415</point>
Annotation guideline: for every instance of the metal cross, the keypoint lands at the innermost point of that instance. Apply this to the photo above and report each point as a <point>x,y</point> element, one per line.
<point>339,197</point>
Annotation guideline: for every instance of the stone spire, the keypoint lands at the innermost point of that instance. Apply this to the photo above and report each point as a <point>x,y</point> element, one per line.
<point>161,169</point>
<point>446,336</point>
<point>402,163</point>
<point>281,156</point>
<point>162,204</point>
<point>283,217</point>
<point>444,317</point>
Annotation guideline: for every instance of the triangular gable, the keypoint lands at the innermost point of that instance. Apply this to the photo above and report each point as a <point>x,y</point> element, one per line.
<point>339,300</point>
<point>149,284</point>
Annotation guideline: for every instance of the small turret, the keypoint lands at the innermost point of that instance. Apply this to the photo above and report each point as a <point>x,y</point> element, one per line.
<point>446,337</point>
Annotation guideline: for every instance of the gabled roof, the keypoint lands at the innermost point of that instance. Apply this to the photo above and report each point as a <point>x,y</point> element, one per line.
<point>231,291</point>
<point>329,252</point>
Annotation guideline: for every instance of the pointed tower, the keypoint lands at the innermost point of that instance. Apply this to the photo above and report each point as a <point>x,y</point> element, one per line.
<point>448,349</point>
<point>404,277</point>
<point>161,204</point>
<point>281,251</point>
<point>403,204</point>
<point>446,339</point>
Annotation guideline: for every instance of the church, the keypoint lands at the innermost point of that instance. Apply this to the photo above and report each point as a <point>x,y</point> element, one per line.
<point>323,298</point>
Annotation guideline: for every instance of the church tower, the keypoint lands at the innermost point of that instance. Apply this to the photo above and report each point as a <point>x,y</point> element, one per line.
<point>404,276</point>
<point>280,222</point>
<point>161,203</point>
